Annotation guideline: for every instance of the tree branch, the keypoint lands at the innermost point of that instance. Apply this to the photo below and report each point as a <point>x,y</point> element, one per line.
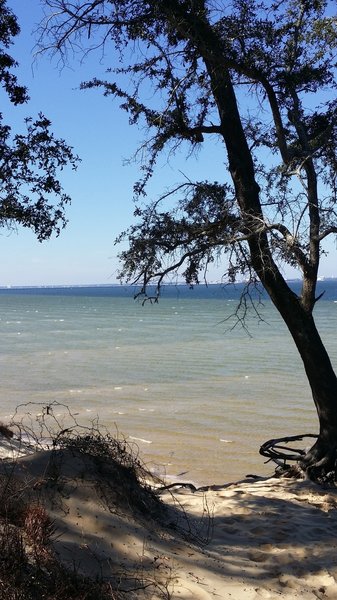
<point>327,232</point>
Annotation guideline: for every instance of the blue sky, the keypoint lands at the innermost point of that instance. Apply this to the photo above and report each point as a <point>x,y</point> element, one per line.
<point>101,189</point>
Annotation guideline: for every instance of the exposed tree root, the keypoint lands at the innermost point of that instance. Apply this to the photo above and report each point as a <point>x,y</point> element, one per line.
<point>318,464</point>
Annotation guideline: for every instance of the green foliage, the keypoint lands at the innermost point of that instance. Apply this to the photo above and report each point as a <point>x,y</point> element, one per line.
<point>205,219</point>
<point>260,76</point>
<point>30,192</point>
<point>9,28</point>
<point>28,178</point>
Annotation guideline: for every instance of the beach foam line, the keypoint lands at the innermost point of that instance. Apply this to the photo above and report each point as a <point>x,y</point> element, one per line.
<point>137,439</point>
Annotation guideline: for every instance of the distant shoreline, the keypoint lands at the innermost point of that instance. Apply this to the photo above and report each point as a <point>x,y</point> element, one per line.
<point>130,286</point>
<point>326,287</point>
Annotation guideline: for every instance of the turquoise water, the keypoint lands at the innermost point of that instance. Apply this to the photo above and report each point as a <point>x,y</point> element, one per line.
<point>195,395</point>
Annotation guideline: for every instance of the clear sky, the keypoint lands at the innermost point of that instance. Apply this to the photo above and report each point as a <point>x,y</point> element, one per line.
<point>101,188</point>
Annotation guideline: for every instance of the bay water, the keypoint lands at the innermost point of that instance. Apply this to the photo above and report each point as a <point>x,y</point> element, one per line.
<point>177,379</point>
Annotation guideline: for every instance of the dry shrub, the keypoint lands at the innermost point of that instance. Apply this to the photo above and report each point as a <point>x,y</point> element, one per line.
<point>12,502</point>
<point>28,568</point>
<point>12,550</point>
<point>37,525</point>
<point>120,477</point>
<point>26,576</point>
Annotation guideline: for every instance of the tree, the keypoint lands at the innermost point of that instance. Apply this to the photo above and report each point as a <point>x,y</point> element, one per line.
<point>30,193</point>
<point>260,76</point>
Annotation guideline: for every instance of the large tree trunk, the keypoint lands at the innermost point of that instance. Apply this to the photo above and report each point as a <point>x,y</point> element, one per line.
<point>320,460</point>
<point>295,311</point>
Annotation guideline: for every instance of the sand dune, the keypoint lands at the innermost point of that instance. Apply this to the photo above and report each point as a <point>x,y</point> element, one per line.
<point>256,539</point>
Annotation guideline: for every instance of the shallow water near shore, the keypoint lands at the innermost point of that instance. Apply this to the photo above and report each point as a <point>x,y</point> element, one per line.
<point>197,397</point>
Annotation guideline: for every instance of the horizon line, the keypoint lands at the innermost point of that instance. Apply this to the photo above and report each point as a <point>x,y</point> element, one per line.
<point>116,284</point>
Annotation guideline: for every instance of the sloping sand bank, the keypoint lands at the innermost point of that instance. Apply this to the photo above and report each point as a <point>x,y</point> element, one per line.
<point>269,538</point>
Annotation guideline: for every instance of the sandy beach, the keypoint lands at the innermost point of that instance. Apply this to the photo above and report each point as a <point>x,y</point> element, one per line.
<point>265,538</point>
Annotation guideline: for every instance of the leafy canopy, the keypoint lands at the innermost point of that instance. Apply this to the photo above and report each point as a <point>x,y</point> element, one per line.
<point>258,75</point>
<point>30,192</point>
